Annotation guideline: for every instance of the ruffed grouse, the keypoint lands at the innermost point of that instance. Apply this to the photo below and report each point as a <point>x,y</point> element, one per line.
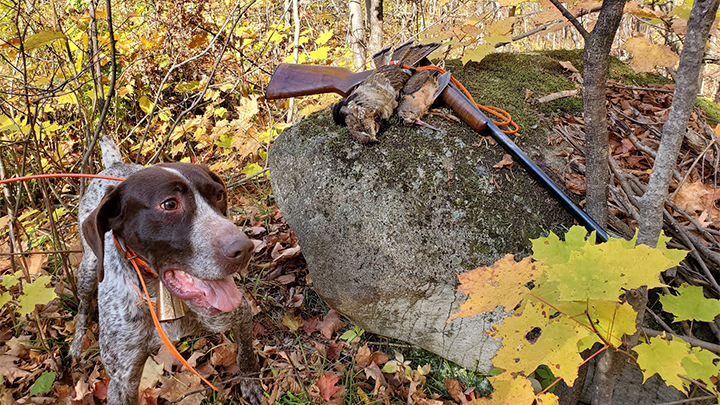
<point>375,99</point>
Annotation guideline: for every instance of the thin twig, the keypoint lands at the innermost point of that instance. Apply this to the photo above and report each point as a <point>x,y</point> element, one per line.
<point>570,17</point>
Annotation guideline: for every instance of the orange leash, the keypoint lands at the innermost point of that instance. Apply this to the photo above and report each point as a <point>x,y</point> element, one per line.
<point>133,258</point>
<point>498,112</point>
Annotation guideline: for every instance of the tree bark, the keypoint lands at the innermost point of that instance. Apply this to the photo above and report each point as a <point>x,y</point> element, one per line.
<point>595,66</point>
<point>357,34</point>
<point>375,24</point>
<point>686,87</point>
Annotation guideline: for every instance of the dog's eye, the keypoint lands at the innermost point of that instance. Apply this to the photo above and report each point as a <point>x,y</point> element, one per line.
<point>220,195</point>
<point>170,204</point>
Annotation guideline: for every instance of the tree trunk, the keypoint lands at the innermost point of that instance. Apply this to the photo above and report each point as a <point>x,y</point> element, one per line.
<point>686,87</point>
<point>357,35</point>
<point>597,51</point>
<point>375,25</point>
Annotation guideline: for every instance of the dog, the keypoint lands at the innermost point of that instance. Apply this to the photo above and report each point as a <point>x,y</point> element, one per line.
<point>173,217</point>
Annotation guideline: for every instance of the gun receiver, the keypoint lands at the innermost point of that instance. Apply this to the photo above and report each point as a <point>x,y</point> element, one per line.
<point>304,80</point>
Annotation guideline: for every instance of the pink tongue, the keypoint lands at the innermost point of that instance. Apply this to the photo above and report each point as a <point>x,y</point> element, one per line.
<point>222,294</point>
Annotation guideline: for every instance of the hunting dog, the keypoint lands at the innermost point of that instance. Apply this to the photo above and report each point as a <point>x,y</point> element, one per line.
<point>173,217</point>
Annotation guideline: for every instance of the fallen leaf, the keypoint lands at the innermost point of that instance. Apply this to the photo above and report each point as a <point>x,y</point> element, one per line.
<point>326,384</point>
<point>330,324</point>
<point>567,65</point>
<point>575,183</point>
<point>507,161</point>
<point>647,55</point>
<point>362,357</point>
<point>291,322</point>
<point>454,388</point>
<point>151,374</point>
<point>10,370</point>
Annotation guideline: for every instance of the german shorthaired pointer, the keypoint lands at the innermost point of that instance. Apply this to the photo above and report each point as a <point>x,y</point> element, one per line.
<point>172,216</point>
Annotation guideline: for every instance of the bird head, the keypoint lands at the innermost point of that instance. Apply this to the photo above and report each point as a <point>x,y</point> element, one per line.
<point>363,123</point>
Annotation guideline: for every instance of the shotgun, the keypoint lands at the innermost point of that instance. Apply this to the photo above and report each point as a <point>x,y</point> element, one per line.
<point>290,80</point>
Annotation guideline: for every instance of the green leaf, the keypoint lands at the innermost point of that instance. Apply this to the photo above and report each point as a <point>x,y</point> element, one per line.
<point>41,38</point>
<point>262,154</point>
<point>663,357</point>
<point>691,304</point>
<point>5,297</point>
<point>389,367</point>
<point>225,141</point>
<point>601,272</point>
<point>35,293</point>
<point>251,168</point>
<point>43,384</point>
<point>349,335</point>
<point>324,37</point>
<point>11,280</point>
<point>700,365</point>
<point>552,251</point>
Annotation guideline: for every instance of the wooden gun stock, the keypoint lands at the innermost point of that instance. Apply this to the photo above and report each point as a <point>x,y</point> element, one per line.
<point>291,80</point>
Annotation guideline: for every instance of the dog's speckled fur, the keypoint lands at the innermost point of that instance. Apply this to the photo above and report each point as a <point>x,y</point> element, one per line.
<point>196,239</point>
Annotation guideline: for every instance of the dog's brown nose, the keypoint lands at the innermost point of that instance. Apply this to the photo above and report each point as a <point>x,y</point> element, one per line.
<point>238,247</point>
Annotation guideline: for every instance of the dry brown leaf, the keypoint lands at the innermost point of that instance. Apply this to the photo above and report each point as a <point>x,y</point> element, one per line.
<point>638,10</point>
<point>647,55</point>
<point>507,161</point>
<point>695,197</point>
<point>9,368</point>
<point>575,183</point>
<point>567,65</point>
<point>454,388</point>
<point>330,324</point>
<point>291,322</point>
<point>362,357</point>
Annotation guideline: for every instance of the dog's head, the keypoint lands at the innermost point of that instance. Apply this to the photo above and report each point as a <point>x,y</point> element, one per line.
<point>173,217</point>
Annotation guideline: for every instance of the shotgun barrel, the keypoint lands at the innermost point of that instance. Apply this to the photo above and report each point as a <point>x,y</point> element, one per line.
<point>472,115</point>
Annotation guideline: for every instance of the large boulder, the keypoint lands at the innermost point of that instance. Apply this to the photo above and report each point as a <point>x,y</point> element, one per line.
<point>386,228</point>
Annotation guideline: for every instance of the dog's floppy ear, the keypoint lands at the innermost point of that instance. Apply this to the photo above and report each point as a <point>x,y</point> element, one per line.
<point>99,222</point>
<point>219,180</point>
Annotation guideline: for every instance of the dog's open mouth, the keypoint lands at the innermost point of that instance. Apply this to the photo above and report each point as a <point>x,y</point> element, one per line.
<point>220,294</point>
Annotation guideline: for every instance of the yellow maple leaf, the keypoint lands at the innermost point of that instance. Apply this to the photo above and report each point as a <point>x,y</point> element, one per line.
<point>663,357</point>
<point>502,284</point>
<point>647,55</point>
<point>478,54</point>
<point>515,391</point>
<point>532,338</point>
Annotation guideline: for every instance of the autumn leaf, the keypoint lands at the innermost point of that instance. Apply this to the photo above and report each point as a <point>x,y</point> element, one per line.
<point>552,251</point>
<point>691,304</point>
<point>663,357</point>
<point>501,27</point>
<point>326,384</point>
<point>507,161</point>
<point>567,65</point>
<point>695,197</point>
<point>647,55</point>
<point>324,37</point>
<point>613,266</point>
<point>702,365</point>
<point>478,54</point>
<point>534,336</point>
<point>330,324</point>
<point>502,284</point>
<point>42,38</point>
<point>515,391</point>
<point>36,293</point>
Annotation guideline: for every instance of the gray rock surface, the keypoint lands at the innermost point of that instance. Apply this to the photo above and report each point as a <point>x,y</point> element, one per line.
<point>386,228</point>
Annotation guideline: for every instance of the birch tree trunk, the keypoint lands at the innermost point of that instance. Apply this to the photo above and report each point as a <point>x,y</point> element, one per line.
<point>686,87</point>
<point>375,24</point>
<point>357,34</point>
